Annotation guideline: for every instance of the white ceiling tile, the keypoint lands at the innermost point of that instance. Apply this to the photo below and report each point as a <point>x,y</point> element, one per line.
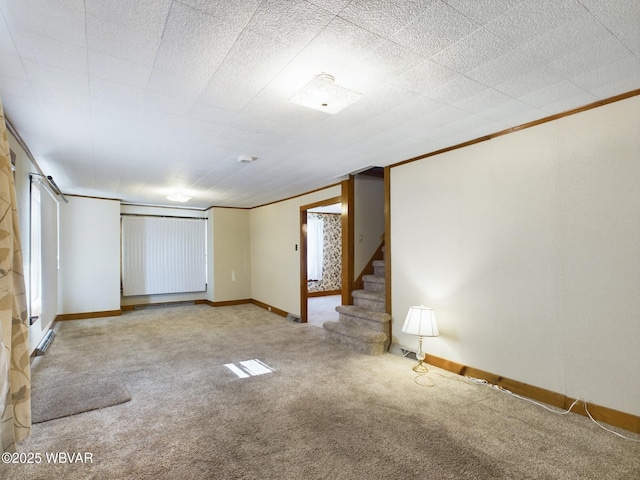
<point>455,90</point>
<point>11,87</point>
<point>629,34</point>
<point>553,94</point>
<point>148,16</point>
<point>592,56</point>
<point>22,109</point>
<point>384,17</point>
<point>121,41</point>
<point>474,126</point>
<point>483,11</point>
<point>48,19</point>
<point>529,82</point>
<point>621,17</point>
<point>616,88</point>
<point>228,92</point>
<point>569,102</point>
<point>11,66</point>
<point>375,103</point>
<point>567,37</point>
<point>390,60</point>
<point>47,78</point>
<point>165,103</point>
<point>121,110</point>
<point>343,42</point>
<point>238,11</point>
<point>116,92</point>
<point>210,114</point>
<point>424,77</point>
<point>614,12</point>
<point>61,87</point>
<point>295,22</point>
<point>151,60</point>
<point>443,116</point>
<point>613,78</point>
<point>250,65</point>
<point>438,27</point>
<point>118,70</point>
<point>530,19</point>
<point>523,117</point>
<point>179,84</point>
<point>112,127</point>
<point>194,41</point>
<point>510,65</point>
<point>484,100</point>
<point>472,51</point>
<point>254,124</point>
<point>48,51</point>
<point>420,125</point>
<point>333,6</point>
<point>7,46</point>
<point>507,110</point>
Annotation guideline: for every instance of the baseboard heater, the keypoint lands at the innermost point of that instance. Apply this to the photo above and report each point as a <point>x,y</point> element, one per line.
<point>44,343</point>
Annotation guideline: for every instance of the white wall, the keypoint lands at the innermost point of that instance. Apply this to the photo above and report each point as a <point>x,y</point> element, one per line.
<point>89,276</point>
<point>231,254</point>
<point>528,248</point>
<point>368,220</point>
<point>275,263</point>
<point>49,268</point>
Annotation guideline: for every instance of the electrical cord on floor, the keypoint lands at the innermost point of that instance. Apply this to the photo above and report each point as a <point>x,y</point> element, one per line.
<point>480,381</point>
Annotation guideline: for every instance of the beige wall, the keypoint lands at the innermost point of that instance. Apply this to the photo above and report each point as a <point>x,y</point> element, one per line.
<point>528,248</point>
<point>275,263</point>
<point>231,254</point>
<point>368,220</point>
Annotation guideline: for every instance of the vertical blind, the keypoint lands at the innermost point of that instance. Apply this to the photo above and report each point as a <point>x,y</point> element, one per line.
<point>163,255</point>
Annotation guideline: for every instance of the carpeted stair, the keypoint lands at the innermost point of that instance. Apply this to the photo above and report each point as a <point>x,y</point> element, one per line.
<point>364,326</point>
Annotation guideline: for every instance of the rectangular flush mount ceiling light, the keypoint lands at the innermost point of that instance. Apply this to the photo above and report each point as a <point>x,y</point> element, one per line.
<point>322,93</point>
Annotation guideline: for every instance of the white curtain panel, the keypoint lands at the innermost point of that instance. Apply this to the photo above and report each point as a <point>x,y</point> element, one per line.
<point>163,255</point>
<point>35,260</point>
<point>315,235</point>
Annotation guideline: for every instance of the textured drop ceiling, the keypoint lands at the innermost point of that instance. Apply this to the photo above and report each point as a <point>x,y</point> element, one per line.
<point>135,99</point>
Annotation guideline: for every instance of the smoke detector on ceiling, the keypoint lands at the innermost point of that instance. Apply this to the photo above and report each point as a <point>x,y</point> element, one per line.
<point>246,159</point>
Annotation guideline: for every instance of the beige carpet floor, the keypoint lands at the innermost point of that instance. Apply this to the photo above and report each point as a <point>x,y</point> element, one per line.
<point>324,413</point>
<point>323,309</point>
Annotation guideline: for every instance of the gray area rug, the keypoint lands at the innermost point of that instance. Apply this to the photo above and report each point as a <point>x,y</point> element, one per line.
<point>324,412</point>
<point>49,403</point>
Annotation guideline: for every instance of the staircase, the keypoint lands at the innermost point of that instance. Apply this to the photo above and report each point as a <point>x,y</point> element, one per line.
<point>364,326</point>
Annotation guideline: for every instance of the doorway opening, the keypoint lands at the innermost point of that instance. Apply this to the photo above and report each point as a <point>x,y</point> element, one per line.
<point>321,261</point>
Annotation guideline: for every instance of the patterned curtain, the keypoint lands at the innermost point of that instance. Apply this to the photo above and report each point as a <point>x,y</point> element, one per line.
<point>15,373</point>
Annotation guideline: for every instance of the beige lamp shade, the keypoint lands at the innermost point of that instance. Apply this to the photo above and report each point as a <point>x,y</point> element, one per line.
<point>421,321</point>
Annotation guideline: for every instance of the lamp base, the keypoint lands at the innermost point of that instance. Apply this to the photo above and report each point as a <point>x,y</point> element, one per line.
<point>420,367</point>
